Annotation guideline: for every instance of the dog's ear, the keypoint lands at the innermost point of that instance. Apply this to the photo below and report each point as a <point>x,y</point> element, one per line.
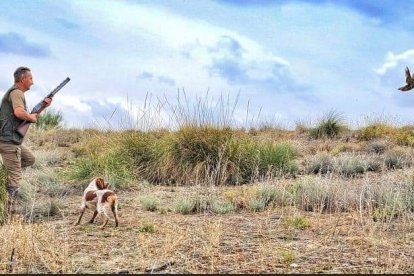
<point>100,183</point>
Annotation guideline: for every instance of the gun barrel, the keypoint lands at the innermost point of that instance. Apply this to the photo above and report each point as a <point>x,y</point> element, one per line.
<point>54,91</point>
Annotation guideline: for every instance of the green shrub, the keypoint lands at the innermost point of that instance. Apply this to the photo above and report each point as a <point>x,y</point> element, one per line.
<point>378,147</point>
<point>222,207</point>
<point>191,155</point>
<point>185,206</point>
<point>198,153</point>
<point>256,160</point>
<point>147,228</point>
<point>350,166</point>
<point>313,194</point>
<point>396,160</point>
<point>297,222</point>
<point>150,203</point>
<point>330,126</point>
<point>404,136</point>
<point>102,157</point>
<point>257,204</point>
<point>49,119</point>
<point>270,195</point>
<point>319,164</point>
<point>375,131</point>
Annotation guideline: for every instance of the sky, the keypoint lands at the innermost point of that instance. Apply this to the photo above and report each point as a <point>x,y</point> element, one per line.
<point>153,63</point>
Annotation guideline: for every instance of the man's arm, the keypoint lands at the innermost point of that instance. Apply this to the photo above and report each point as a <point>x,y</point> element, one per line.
<point>20,113</point>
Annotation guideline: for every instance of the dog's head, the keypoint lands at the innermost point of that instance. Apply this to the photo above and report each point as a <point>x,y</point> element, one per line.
<point>100,183</point>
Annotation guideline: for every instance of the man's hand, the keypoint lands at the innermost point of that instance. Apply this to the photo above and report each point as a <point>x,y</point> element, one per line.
<point>33,117</point>
<point>48,101</point>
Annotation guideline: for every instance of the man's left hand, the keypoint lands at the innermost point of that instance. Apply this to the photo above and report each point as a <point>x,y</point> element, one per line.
<point>48,101</point>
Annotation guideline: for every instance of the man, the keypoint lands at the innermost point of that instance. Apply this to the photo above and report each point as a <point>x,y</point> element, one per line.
<point>13,111</point>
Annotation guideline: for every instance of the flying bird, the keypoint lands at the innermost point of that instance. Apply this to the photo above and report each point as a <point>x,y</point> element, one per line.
<point>409,80</point>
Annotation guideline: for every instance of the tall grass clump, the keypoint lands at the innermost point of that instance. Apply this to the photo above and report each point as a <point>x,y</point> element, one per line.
<point>318,194</point>
<point>266,195</point>
<point>100,155</point>
<point>330,126</point>
<point>145,151</point>
<point>257,160</point>
<point>49,119</point>
<point>150,203</point>
<point>199,155</point>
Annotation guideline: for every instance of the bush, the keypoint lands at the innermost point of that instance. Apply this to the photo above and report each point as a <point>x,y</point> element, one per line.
<point>404,136</point>
<point>259,160</point>
<point>329,127</point>
<point>396,160</point>
<point>297,222</point>
<point>102,156</point>
<point>192,155</point>
<point>222,207</point>
<point>321,163</point>
<point>49,119</point>
<point>375,131</point>
<point>185,206</point>
<point>150,203</point>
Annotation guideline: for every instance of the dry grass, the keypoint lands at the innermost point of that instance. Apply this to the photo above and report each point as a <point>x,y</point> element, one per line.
<point>278,240</point>
<point>308,223</point>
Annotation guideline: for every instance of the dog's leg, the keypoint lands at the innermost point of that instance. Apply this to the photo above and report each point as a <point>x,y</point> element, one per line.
<point>82,211</point>
<point>106,218</point>
<point>105,214</point>
<point>115,212</point>
<point>94,216</point>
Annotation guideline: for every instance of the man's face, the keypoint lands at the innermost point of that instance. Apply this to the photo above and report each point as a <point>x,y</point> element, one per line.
<point>27,80</point>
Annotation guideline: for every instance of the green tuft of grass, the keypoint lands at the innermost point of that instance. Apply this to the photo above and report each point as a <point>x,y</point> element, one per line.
<point>49,119</point>
<point>297,222</point>
<point>185,206</point>
<point>223,207</point>
<point>147,228</point>
<point>330,126</point>
<point>150,203</point>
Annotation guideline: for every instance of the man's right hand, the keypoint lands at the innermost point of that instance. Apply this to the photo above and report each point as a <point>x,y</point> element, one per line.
<point>34,117</point>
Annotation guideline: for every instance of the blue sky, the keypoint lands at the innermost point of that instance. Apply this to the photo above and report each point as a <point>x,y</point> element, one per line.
<point>279,62</point>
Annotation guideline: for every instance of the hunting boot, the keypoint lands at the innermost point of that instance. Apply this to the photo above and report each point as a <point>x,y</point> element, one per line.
<point>11,199</point>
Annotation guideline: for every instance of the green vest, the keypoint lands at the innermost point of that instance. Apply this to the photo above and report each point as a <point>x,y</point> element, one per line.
<point>8,121</point>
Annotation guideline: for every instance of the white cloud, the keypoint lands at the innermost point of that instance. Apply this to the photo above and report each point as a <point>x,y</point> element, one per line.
<point>393,60</point>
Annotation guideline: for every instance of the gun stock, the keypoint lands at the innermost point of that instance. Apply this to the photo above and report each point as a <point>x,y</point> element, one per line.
<point>24,126</point>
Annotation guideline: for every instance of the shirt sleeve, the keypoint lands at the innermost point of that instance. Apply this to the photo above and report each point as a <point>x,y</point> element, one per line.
<point>17,99</point>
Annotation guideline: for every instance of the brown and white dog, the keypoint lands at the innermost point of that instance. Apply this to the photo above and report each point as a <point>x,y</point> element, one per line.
<point>100,199</point>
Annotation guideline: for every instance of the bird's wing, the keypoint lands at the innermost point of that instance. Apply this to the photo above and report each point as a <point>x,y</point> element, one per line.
<point>407,74</point>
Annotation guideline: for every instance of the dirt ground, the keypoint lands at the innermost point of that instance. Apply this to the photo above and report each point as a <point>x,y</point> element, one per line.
<point>238,242</point>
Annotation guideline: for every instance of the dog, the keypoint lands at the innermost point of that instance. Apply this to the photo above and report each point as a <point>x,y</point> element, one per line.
<point>100,199</point>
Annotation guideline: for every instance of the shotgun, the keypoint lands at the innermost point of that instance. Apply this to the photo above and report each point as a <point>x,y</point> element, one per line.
<point>24,126</point>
